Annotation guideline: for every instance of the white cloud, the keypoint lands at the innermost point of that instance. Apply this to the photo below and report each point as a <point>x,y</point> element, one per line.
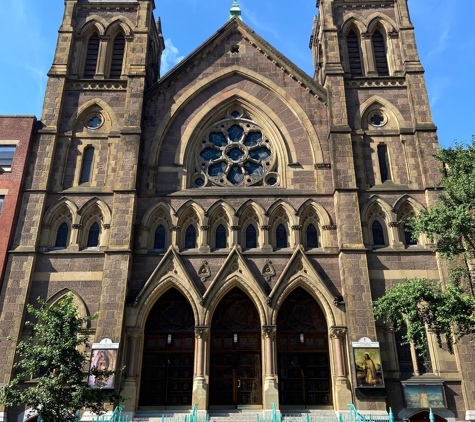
<point>170,57</point>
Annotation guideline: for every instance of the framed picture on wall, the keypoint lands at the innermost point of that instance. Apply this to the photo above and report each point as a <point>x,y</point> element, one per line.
<point>102,359</point>
<point>423,396</point>
<point>368,368</point>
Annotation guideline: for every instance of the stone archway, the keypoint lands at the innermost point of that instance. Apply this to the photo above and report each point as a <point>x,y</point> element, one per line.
<point>235,353</point>
<point>168,354</point>
<point>303,353</point>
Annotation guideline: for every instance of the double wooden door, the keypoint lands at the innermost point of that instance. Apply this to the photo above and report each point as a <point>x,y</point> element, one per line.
<point>235,373</point>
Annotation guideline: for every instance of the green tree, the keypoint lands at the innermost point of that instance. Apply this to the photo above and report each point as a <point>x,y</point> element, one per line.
<point>52,356</point>
<point>422,304</point>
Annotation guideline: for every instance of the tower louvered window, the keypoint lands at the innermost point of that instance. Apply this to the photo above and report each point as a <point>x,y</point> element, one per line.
<point>354,54</point>
<point>380,57</point>
<point>117,57</point>
<point>384,163</point>
<point>91,57</point>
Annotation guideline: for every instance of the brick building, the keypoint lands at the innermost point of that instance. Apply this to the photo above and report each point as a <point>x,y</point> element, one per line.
<point>16,134</point>
<point>233,220</point>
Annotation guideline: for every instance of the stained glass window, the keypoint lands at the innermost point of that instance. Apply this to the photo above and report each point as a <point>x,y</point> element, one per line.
<point>93,236</point>
<point>190,237</point>
<point>87,165</point>
<point>281,237</point>
<point>220,237</point>
<point>312,236</point>
<point>62,236</point>
<point>251,237</point>
<point>236,312</point>
<point>378,234</point>
<point>408,236</point>
<point>159,241</point>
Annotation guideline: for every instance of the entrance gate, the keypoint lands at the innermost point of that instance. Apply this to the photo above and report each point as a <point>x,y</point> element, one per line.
<point>167,368</point>
<point>302,353</point>
<point>235,373</point>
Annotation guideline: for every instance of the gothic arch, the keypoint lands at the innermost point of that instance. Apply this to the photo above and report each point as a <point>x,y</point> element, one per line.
<point>224,205</point>
<point>122,22</point>
<point>388,221</point>
<point>388,211</point>
<point>407,199</point>
<point>322,219</point>
<point>77,300</point>
<point>258,208</point>
<point>212,301</point>
<point>203,84</point>
<point>93,105</point>
<point>200,212</point>
<point>381,20</point>
<point>352,20</point>
<point>150,222</point>
<point>63,202</point>
<point>103,207</point>
<point>386,106</point>
<point>92,21</point>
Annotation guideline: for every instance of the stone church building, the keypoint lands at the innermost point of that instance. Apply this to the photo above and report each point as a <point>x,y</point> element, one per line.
<point>233,220</point>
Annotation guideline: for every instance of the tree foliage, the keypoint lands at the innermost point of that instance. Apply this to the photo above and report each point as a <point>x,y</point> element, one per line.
<point>423,305</point>
<point>450,223</point>
<point>52,357</point>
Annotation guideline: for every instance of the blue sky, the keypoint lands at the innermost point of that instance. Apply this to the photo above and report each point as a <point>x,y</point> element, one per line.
<point>28,30</point>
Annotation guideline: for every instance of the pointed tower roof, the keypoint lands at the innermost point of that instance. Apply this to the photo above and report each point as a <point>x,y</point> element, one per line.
<point>235,11</point>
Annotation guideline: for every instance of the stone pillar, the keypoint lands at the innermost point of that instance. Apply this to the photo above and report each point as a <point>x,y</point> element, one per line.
<point>297,235</point>
<point>101,57</point>
<point>234,237</point>
<point>342,393</point>
<point>129,391</point>
<point>200,387</point>
<point>174,237</point>
<point>270,387</point>
<point>204,247</point>
<point>266,247</point>
<point>368,56</point>
<point>394,237</point>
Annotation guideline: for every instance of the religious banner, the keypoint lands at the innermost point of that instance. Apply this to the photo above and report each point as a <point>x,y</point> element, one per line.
<point>368,367</point>
<point>103,357</point>
<point>424,396</point>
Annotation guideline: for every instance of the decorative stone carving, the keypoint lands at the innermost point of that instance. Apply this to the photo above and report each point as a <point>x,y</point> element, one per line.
<point>268,270</point>
<point>297,227</point>
<point>174,228</point>
<point>205,228</point>
<point>323,166</point>
<point>394,224</point>
<point>235,228</point>
<point>330,227</point>
<point>201,331</point>
<point>204,272</point>
<point>76,226</point>
<point>96,85</point>
<point>269,331</point>
<point>265,227</point>
<point>337,332</point>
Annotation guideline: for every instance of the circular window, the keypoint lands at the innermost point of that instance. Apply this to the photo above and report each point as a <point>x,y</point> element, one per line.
<point>377,118</point>
<point>235,152</point>
<point>94,121</point>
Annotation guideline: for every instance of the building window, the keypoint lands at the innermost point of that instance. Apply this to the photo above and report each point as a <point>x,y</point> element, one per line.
<point>91,56</point>
<point>383,159</point>
<point>2,199</point>
<point>408,236</point>
<point>93,236</point>
<point>312,236</point>
<point>159,241</point>
<point>281,236</point>
<point>190,237</point>
<point>87,165</point>
<point>380,56</point>
<point>220,239</point>
<point>251,237</point>
<point>62,236</point>
<point>378,234</point>
<point>117,57</point>
<point>6,156</point>
<point>354,54</point>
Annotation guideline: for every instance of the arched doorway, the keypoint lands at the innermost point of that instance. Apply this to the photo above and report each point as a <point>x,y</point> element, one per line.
<point>302,352</point>
<point>168,356</point>
<point>425,417</point>
<point>235,355</point>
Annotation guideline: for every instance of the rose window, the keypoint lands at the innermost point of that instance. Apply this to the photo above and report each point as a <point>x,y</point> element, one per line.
<point>235,151</point>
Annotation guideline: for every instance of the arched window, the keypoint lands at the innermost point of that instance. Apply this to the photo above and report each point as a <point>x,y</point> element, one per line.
<point>251,237</point>
<point>384,163</point>
<point>312,236</point>
<point>159,241</point>
<point>380,56</point>
<point>378,234</point>
<point>93,236</point>
<point>220,239</point>
<point>86,170</point>
<point>354,54</point>
<point>62,236</point>
<point>91,56</point>
<point>117,56</point>
<point>281,237</point>
<point>408,231</point>
<point>190,237</point>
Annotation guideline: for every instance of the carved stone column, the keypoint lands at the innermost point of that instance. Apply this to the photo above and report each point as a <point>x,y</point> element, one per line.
<point>200,388</point>
<point>271,389</point>
<point>394,229</point>
<point>174,236</point>
<point>297,235</point>
<point>266,247</point>
<point>234,236</point>
<point>340,381</point>
<point>204,247</point>
<point>101,57</point>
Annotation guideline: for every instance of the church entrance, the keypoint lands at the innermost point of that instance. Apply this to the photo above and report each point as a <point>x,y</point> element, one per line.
<point>302,353</point>
<point>235,358</point>
<point>168,357</point>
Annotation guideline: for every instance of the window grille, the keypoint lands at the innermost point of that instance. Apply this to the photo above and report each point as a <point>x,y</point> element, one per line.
<point>117,57</point>
<point>354,55</point>
<point>380,56</point>
<point>91,56</point>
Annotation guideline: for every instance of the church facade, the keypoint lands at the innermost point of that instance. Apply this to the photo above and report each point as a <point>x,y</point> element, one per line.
<point>233,220</point>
